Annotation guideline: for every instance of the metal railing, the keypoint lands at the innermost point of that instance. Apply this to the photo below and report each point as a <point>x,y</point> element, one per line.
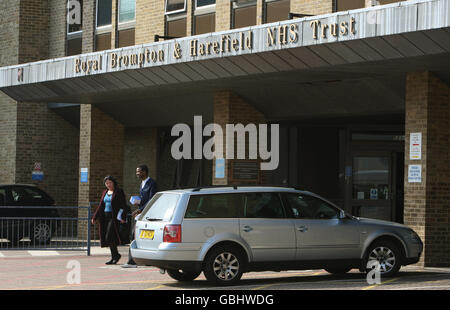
<point>69,229</point>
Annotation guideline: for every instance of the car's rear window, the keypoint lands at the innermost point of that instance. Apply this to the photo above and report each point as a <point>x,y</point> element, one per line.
<point>160,207</point>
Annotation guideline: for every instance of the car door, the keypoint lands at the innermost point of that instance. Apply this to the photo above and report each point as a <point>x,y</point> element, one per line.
<point>266,228</point>
<point>321,234</point>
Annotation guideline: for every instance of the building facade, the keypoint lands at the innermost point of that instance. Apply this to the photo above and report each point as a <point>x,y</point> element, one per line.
<point>358,88</point>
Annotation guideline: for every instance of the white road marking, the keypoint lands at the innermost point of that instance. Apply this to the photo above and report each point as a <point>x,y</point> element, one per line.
<point>43,253</point>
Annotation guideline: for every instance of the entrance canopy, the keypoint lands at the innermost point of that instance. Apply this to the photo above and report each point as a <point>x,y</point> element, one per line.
<point>359,56</point>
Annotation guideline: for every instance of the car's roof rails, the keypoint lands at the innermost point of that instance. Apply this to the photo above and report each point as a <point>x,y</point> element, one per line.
<point>197,189</point>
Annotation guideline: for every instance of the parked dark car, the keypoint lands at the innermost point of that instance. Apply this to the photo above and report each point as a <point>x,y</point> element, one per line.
<point>33,222</point>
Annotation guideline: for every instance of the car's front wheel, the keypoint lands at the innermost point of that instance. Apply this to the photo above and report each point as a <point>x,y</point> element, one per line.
<point>224,265</point>
<point>384,256</point>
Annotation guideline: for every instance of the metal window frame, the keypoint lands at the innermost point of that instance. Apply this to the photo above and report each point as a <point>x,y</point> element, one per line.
<point>104,28</point>
<point>127,24</point>
<point>176,11</point>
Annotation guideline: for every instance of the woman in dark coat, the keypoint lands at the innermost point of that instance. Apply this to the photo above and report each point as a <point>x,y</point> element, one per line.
<point>111,202</point>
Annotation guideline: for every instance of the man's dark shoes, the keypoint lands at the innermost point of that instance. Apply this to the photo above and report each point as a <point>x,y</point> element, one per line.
<point>114,260</point>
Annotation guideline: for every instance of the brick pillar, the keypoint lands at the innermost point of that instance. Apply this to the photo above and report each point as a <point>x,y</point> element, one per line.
<point>223,15</point>
<point>89,13</point>
<point>230,108</point>
<point>101,152</point>
<point>427,208</point>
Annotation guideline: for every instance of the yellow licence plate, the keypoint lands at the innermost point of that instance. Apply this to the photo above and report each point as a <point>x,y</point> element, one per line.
<point>147,234</point>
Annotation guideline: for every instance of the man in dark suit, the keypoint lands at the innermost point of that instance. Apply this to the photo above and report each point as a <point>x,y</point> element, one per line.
<point>147,190</point>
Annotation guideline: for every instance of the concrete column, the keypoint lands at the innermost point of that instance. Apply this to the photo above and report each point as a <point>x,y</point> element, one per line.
<point>230,108</point>
<point>427,202</point>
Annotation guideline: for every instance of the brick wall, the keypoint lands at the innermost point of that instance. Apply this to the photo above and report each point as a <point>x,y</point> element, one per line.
<point>149,20</point>
<point>427,203</point>
<point>89,13</point>
<point>57,31</point>
<point>312,7</point>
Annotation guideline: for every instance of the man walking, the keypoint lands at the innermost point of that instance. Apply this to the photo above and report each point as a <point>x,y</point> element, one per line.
<point>147,190</point>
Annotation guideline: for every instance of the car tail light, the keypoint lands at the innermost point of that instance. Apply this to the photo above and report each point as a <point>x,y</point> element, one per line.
<point>172,233</point>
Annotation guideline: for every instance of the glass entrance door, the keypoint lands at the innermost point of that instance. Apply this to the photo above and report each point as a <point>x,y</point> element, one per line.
<point>371,186</point>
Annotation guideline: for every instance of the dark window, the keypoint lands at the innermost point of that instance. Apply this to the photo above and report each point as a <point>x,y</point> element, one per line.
<point>263,205</point>
<point>244,16</point>
<point>277,10</point>
<point>126,37</point>
<point>104,11</point>
<point>205,2</point>
<point>175,6</point>
<point>177,27</point>
<point>205,23</point>
<point>344,5</point>
<point>307,207</point>
<point>388,1</point>
<point>74,46</point>
<point>23,195</point>
<point>214,206</point>
<point>103,42</point>
<point>2,196</point>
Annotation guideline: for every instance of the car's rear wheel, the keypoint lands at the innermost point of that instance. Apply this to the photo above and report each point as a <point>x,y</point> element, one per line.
<point>182,275</point>
<point>224,265</point>
<point>385,256</point>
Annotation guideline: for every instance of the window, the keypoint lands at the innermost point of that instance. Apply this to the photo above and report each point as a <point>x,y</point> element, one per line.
<point>2,196</point>
<point>160,207</point>
<point>175,6</point>
<point>244,13</point>
<point>307,207</point>
<point>344,5</point>
<point>127,20</point>
<point>127,11</point>
<point>104,11</point>
<point>277,10</point>
<point>104,27</point>
<point>263,205</point>
<point>74,27</point>
<point>214,206</point>
<point>371,178</point>
<point>205,16</point>
<point>176,27</point>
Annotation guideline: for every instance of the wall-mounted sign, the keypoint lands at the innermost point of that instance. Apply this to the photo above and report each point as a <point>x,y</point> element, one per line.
<point>220,168</point>
<point>84,175</point>
<point>414,173</point>
<point>37,176</point>
<point>415,146</point>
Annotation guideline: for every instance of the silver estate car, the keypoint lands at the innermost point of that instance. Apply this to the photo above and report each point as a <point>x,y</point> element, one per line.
<point>226,231</point>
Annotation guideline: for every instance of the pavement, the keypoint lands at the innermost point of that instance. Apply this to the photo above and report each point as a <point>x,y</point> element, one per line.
<point>74,270</point>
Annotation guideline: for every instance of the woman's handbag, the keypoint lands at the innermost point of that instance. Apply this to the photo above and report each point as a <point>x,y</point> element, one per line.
<point>124,231</point>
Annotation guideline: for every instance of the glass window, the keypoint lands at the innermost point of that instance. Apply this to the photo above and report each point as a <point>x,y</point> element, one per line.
<point>74,16</point>
<point>344,5</point>
<point>244,16</point>
<point>307,207</point>
<point>214,206</point>
<point>74,46</point>
<point>205,23</point>
<point>104,11</point>
<point>263,205</point>
<point>103,42</point>
<point>2,196</point>
<point>177,28</point>
<point>277,10</point>
<point>160,207</point>
<point>126,37</point>
<point>370,178</point>
<point>174,6</point>
<point>127,10</point>
<point>200,3</point>
<point>381,2</point>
